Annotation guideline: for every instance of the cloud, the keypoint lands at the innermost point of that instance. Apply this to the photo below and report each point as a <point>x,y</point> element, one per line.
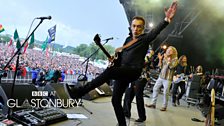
<point>70,30</point>
<point>66,34</point>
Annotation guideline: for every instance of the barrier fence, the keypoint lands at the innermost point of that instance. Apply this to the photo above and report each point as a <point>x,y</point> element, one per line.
<point>28,78</point>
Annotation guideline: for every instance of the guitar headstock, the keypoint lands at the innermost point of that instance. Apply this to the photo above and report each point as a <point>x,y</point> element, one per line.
<point>97,39</point>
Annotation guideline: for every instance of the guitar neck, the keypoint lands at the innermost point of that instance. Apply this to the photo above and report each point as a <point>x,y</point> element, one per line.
<point>104,51</point>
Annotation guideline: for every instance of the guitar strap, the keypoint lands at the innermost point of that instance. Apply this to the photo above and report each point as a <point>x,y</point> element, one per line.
<point>130,43</point>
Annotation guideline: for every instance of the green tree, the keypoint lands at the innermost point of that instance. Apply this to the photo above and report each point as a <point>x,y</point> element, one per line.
<point>85,50</point>
<point>4,38</point>
<point>92,49</point>
<point>81,49</point>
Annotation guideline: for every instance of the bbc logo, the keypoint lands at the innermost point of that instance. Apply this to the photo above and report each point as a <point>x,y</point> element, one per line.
<point>39,93</point>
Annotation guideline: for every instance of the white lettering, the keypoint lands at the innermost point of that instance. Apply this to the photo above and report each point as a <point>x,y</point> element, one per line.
<point>11,104</point>
<point>45,103</point>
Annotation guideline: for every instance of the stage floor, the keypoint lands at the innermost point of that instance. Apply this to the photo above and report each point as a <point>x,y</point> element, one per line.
<point>103,114</point>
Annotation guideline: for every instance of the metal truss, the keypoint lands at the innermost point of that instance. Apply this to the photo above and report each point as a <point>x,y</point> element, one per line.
<point>182,25</point>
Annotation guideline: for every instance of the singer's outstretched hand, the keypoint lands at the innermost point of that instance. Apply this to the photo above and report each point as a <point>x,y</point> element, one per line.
<point>171,11</point>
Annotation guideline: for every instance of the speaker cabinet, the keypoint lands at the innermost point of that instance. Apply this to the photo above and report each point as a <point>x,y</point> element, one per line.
<point>22,97</point>
<point>106,89</point>
<point>103,90</point>
<point>57,92</point>
<point>93,94</point>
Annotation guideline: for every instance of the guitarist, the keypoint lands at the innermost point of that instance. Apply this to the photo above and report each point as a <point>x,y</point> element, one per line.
<point>182,69</point>
<point>132,61</point>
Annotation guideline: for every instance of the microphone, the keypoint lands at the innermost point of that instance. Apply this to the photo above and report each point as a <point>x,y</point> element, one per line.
<point>108,39</point>
<point>42,18</point>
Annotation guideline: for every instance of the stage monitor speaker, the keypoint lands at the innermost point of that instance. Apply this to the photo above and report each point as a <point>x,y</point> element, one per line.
<point>57,91</point>
<point>106,89</point>
<point>21,99</point>
<point>93,94</point>
<point>103,90</point>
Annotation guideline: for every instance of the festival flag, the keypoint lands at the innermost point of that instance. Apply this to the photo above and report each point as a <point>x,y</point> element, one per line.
<point>1,28</point>
<point>25,47</point>
<point>10,42</point>
<point>32,39</point>
<point>16,38</point>
<point>44,45</point>
<point>52,32</point>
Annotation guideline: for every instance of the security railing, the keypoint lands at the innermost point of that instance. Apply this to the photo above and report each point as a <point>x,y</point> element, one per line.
<point>28,78</point>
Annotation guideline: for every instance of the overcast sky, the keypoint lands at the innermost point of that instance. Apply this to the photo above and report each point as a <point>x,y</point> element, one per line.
<point>77,20</point>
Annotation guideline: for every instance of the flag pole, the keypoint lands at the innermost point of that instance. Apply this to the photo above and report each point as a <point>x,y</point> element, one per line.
<point>18,53</point>
<point>19,49</point>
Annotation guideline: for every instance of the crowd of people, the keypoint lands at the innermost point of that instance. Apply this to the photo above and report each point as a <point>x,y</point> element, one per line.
<point>42,65</point>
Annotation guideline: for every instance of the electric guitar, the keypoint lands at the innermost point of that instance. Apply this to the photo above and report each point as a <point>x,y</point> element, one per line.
<point>182,77</point>
<point>114,60</point>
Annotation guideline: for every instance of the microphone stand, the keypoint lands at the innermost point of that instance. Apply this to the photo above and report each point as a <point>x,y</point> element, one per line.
<point>85,75</point>
<point>18,53</point>
<point>87,59</point>
<point>84,79</point>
